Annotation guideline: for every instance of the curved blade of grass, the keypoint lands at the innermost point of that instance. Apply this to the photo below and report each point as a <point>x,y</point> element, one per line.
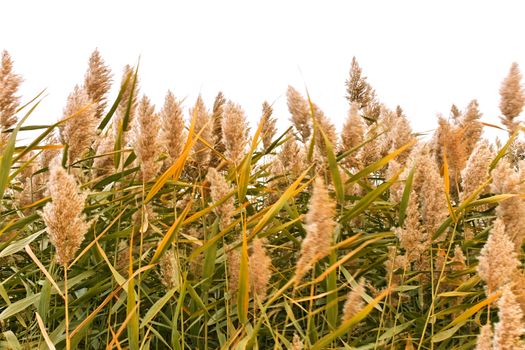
<point>19,306</point>
<point>12,340</point>
<point>168,238</point>
<point>155,308</point>
<point>43,330</point>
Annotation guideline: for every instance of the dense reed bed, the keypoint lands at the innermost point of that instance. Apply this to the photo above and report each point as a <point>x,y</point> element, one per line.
<point>130,226</point>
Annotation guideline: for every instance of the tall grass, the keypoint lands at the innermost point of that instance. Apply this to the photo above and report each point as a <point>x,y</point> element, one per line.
<point>207,236</point>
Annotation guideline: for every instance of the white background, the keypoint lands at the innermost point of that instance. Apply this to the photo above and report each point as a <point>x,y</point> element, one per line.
<point>422,55</point>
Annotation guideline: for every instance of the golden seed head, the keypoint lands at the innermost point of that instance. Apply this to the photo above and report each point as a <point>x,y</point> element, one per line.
<point>354,301</point>
<point>172,134</point>
<point>66,225</point>
<point>512,97</point>
<point>269,124</point>
<point>9,102</point>
<point>79,131</point>
<point>234,132</point>
<point>498,261</point>
<point>145,139</point>
<point>320,225</point>
<point>169,270</point>
<point>484,341</point>
<point>510,328</point>
<point>97,82</point>
<point>300,111</point>
<point>219,188</point>
<point>259,269</point>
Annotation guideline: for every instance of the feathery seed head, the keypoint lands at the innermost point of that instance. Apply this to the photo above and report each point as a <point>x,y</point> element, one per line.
<point>219,188</point>
<point>510,328</point>
<point>476,170</point>
<point>354,301</point>
<point>172,132</point>
<point>9,83</point>
<point>512,97</point>
<point>300,111</point>
<point>80,131</point>
<point>484,341</point>
<point>512,211</point>
<point>498,261</point>
<point>259,270</point>
<point>145,139</point>
<point>269,124</point>
<point>169,270</point>
<point>234,131</point>
<point>320,225</point>
<point>297,342</point>
<point>63,216</point>
<point>352,134</point>
<point>97,82</point>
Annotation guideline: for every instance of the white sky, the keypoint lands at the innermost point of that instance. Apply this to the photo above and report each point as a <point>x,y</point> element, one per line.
<point>422,55</point>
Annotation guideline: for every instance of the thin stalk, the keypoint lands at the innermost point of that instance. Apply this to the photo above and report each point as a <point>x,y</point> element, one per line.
<point>66,306</point>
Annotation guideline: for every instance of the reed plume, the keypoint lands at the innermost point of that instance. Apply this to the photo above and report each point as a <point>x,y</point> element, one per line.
<point>354,301</point>
<point>172,131</point>
<point>320,225</point>
<point>234,132</point>
<point>269,124</point>
<point>498,260</point>
<point>510,328</point>
<point>169,270</point>
<point>512,98</point>
<point>66,225</point>
<point>484,341</point>
<point>512,210</point>
<point>9,102</point>
<point>145,139</point>
<point>473,129</point>
<point>297,342</point>
<point>259,270</point>
<point>219,189</point>
<point>476,170</point>
<point>428,184</point>
<point>292,158</point>
<point>79,131</point>
<point>352,135</point>
<point>357,88</point>
<point>204,125</point>
<point>233,263</point>
<point>97,82</point>
<point>9,84</point>
<point>300,111</point>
